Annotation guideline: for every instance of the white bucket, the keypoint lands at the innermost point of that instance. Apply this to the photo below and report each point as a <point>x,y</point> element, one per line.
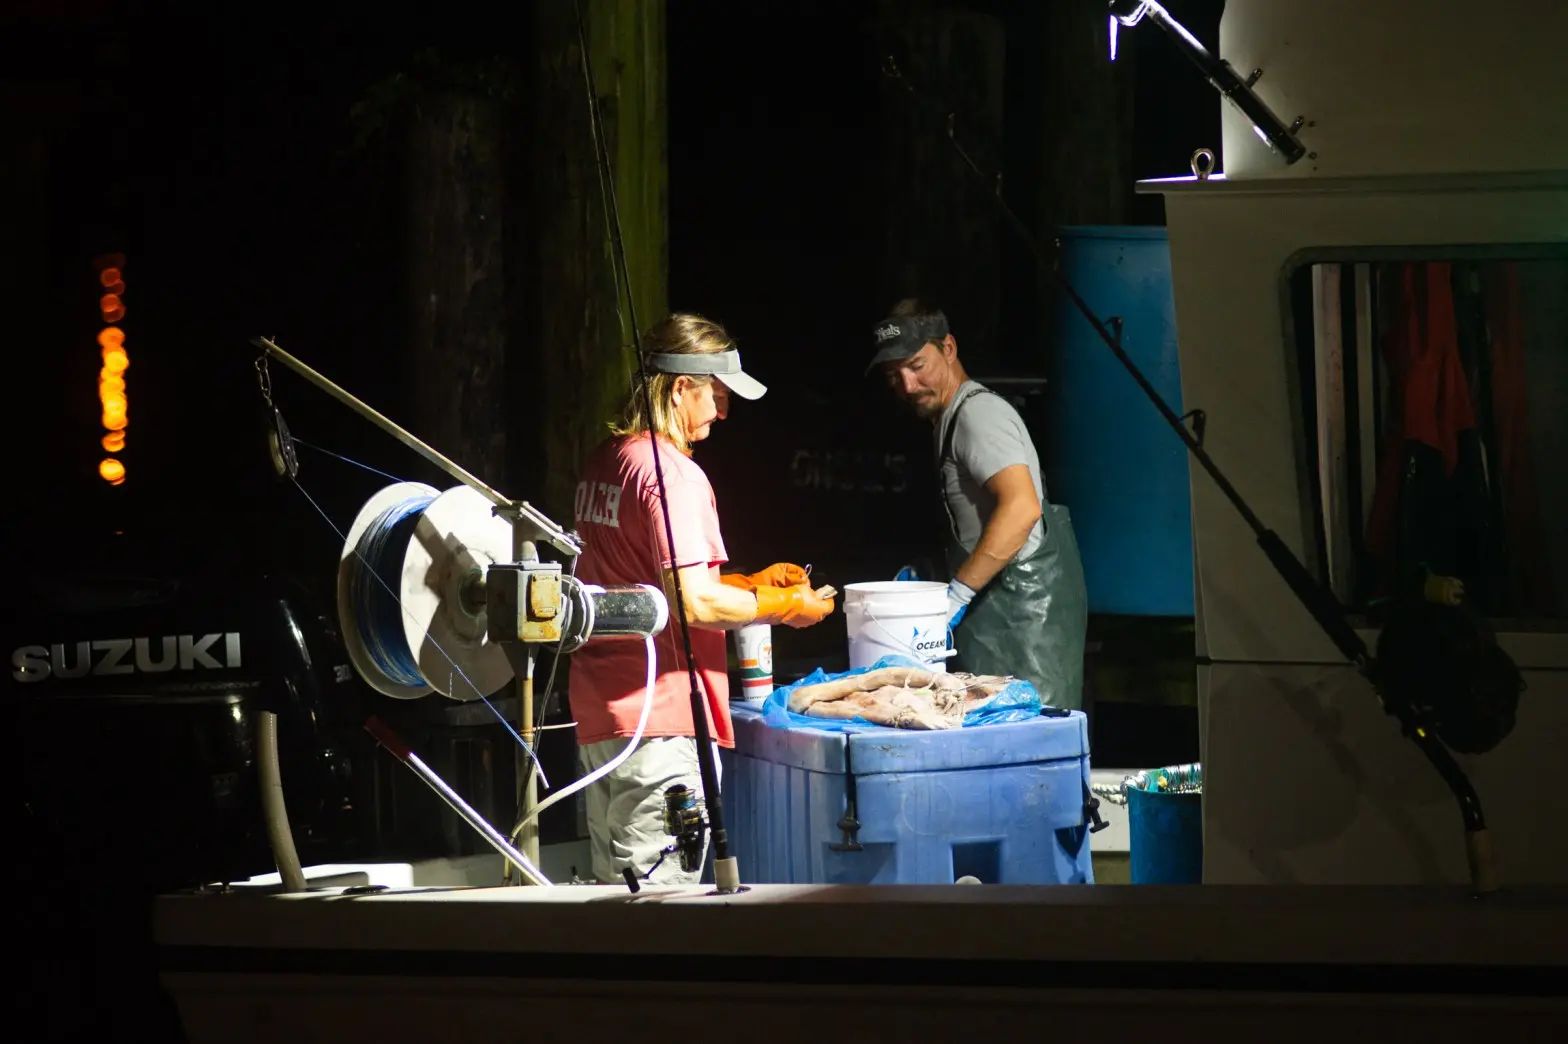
<point>897,618</point>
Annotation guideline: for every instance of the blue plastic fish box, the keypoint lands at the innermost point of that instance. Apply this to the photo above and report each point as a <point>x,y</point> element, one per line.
<point>875,805</point>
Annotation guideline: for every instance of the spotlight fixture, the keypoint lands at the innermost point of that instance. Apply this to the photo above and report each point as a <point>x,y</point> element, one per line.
<point>1270,129</point>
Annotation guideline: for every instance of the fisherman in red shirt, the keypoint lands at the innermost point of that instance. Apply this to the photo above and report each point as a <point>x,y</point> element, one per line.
<point>693,368</point>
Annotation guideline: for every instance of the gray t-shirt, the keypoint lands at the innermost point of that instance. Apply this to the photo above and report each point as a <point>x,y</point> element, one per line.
<point>990,436</point>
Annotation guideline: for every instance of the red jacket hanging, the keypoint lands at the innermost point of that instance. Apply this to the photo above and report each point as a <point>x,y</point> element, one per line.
<point>1429,397</point>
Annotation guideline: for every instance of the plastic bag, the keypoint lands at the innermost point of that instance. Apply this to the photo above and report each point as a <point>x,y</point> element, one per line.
<point>1018,701</point>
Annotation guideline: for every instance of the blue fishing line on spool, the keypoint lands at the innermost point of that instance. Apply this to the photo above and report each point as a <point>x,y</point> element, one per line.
<point>380,617</point>
<point>362,573</point>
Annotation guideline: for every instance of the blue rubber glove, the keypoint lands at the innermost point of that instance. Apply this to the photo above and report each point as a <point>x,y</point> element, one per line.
<point>907,573</point>
<point>959,595</point>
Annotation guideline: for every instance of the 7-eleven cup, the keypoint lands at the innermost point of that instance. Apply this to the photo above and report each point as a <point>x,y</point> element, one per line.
<point>754,649</point>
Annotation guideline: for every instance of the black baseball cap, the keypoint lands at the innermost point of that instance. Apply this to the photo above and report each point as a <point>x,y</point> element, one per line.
<point>899,337</point>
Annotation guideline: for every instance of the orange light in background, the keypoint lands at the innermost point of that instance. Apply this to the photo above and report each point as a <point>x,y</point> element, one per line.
<point>111,378</point>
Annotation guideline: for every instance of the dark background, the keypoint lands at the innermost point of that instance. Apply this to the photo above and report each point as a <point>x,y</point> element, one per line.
<point>222,153</point>
<point>216,151</point>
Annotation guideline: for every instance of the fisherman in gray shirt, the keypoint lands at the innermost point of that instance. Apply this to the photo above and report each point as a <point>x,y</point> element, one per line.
<point>1016,599</point>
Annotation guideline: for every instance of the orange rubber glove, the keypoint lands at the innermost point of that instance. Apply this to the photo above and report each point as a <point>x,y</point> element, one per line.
<point>779,574</point>
<point>795,606</point>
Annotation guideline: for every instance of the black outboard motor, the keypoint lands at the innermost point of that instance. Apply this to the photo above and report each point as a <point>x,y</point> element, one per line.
<point>134,705</point>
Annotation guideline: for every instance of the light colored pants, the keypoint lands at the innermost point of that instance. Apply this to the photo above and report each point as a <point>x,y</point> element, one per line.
<point>626,807</point>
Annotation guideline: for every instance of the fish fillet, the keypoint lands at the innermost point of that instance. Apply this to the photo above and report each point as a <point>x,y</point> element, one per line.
<point>900,697</point>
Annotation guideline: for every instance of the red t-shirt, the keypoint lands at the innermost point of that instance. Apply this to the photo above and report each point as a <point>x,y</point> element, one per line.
<point>622,526</point>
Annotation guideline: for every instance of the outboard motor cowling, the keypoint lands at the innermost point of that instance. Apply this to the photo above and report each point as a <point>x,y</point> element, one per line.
<point>134,706</point>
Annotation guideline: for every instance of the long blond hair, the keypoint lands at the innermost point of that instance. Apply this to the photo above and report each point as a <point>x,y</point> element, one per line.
<point>678,334</point>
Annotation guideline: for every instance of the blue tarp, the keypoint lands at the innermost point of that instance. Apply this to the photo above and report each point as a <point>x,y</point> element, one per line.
<point>1019,701</point>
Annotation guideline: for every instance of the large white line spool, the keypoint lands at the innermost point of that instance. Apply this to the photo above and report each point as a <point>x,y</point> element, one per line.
<point>897,617</point>
<point>456,538</point>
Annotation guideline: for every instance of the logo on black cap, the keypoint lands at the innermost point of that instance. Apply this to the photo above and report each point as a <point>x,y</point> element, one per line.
<point>887,333</point>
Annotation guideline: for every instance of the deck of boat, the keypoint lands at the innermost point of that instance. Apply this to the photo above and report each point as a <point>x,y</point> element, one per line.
<point>867,963</point>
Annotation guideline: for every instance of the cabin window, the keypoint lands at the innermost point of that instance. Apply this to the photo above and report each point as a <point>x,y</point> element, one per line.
<point>1435,393</point>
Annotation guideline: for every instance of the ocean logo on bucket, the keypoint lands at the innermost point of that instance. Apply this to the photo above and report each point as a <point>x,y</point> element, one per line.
<point>924,645</point>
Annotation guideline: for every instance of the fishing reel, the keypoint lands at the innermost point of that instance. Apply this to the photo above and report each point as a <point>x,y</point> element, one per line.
<point>685,822</point>
<point>1443,662</point>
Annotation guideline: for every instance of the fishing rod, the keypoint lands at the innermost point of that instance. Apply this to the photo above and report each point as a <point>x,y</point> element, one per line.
<point>726,871</point>
<point>1318,600</point>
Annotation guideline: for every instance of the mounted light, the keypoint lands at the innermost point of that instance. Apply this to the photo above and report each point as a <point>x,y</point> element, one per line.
<point>1269,128</point>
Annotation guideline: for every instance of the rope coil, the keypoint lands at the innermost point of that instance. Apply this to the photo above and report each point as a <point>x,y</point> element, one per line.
<point>1172,779</point>
<point>378,614</point>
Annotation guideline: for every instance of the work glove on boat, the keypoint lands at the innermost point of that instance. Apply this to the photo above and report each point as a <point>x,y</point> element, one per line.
<point>959,595</point>
<point>779,574</point>
<point>794,606</point>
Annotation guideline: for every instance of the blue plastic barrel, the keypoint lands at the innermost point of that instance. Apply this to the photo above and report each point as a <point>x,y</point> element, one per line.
<point>1165,837</point>
<point>1111,458</point>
